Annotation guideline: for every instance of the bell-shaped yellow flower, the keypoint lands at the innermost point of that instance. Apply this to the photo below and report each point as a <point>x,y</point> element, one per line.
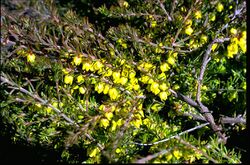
<point>171,60</point>
<point>113,93</point>
<point>77,60</point>
<point>82,90</point>
<point>109,115</point>
<point>189,30</point>
<point>164,67</point>
<point>31,57</point>
<point>80,79</point>
<point>219,7</point>
<point>68,79</point>
<point>163,96</point>
<point>154,87</point>
<point>104,123</point>
<point>99,87</point>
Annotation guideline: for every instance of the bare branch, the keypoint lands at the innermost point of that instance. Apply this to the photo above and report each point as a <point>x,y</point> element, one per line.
<point>174,136</point>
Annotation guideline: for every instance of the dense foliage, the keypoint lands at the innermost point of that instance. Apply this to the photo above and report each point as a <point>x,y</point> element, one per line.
<point>125,81</point>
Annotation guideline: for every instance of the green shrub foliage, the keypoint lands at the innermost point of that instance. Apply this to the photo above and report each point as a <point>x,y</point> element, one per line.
<point>126,81</point>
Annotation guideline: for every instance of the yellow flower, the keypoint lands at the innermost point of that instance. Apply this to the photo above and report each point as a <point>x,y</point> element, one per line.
<point>163,86</point>
<point>125,4</point>
<point>94,152</point>
<point>97,65</point>
<point>80,79</point>
<point>144,79</point>
<point>243,44</point>
<point>177,154</point>
<point>77,60</point>
<point>106,88</point>
<point>212,17</point>
<point>31,57</point>
<point>154,87</point>
<point>164,67</point>
<point>82,90</point>
<point>113,94</point>
<point>232,49</point>
<point>189,30</point>
<point>108,72</point>
<point>219,7</point>
<point>116,75</point>
<point>132,74</point>
<point>203,39</point>
<point>109,115</point>
<point>198,14</point>
<point>214,46</point>
<point>171,60</point>
<point>153,24</point>
<point>244,34</point>
<point>156,107</point>
<point>137,123</point>
<point>68,79</point>
<point>123,80</point>
<point>99,87</point>
<point>87,66</point>
<point>163,96</point>
<point>124,45</point>
<point>104,123</point>
<point>233,31</point>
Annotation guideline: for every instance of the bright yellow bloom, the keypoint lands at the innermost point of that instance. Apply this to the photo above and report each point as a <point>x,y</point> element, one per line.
<point>177,154</point>
<point>68,79</point>
<point>113,94</point>
<point>243,44</point>
<point>106,88</point>
<point>171,60</point>
<point>94,152</point>
<point>244,34</point>
<point>214,46</point>
<point>132,74</point>
<point>77,60</point>
<point>125,4</point>
<point>123,80</point>
<point>197,14</point>
<point>212,17</point>
<point>87,66</point>
<point>97,65</point>
<point>164,67</point>
<point>80,79</point>
<point>82,90</point>
<point>233,31</point>
<point>99,87</point>
<point>104,123</point>
<point>153,24</point>
<point>109,115</point>
<point>232,50</point>
<point>144,79</point>
<point>116,76</point>
<point>162,76</point>
<point>108,72</point>
<point>219,7</point>
<point>154,87</point>
<point>163,86</point>
<point>163,96</point>
<point>203,39</point>
<point>189,30</point>
<point>156,107</point>
<point>137,123</point>
<point>31,57</point>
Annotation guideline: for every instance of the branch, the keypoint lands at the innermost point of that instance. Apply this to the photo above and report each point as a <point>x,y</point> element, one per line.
<point>163,8</point>
<point>45,102</point>
<point>174,136</point>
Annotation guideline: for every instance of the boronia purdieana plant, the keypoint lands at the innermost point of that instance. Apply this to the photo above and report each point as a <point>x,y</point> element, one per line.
<point>164,83</point>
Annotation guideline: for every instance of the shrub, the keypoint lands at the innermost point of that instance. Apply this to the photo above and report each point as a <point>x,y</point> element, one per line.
<point>162,85</point>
